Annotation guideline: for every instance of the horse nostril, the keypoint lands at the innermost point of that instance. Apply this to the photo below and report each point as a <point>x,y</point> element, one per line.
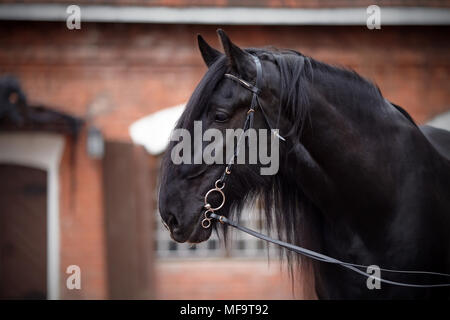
<point>172,222</point>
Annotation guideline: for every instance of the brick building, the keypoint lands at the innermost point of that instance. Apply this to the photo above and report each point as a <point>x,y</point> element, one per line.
<point>121,66</point>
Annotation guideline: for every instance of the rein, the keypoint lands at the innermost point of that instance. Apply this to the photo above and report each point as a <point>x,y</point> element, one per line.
<point>219,185</point>
<point>324,258</point>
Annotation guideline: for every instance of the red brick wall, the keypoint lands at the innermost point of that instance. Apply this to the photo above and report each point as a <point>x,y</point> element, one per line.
<point>82,234</point>
<point>125,71</point>
<point>226,279</point>
<point>130,70</point>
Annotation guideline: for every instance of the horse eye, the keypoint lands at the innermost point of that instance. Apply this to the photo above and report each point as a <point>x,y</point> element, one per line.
<point>221,117</point>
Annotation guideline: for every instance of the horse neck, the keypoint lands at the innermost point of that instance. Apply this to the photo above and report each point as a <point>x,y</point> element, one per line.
<point>345,156</point>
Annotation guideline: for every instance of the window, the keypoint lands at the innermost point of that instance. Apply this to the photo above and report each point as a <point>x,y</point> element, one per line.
<point>240,244</point>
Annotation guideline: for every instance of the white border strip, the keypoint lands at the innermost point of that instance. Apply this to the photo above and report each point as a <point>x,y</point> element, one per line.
<point>42,151</point>
<point>227,16</point>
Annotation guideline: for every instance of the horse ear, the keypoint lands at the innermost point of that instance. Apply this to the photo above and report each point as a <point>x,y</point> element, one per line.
<point>238,58</point>
<point>209,54</point>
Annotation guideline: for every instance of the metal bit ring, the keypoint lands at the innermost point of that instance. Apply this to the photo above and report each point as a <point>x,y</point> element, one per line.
<point>206,222</point>
<point>216,189</point>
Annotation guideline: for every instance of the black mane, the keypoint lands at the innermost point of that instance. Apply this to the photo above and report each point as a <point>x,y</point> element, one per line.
<point>284,204</point>
<point>287,209</point>
<point>355,181</point>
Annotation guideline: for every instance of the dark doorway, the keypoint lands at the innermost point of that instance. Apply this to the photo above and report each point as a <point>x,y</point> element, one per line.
<point>23,236</point>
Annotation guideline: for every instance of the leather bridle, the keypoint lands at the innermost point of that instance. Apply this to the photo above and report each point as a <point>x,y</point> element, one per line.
<point>254,106</point>
<point>210,214</point>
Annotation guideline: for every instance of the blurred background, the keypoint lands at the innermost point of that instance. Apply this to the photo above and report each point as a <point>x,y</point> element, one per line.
<point>84,115</point>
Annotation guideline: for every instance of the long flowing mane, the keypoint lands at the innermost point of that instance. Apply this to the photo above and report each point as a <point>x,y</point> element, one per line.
<point>288,211</point>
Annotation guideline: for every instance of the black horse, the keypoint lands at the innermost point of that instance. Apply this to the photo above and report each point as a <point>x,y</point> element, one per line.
<point>358,179</point>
